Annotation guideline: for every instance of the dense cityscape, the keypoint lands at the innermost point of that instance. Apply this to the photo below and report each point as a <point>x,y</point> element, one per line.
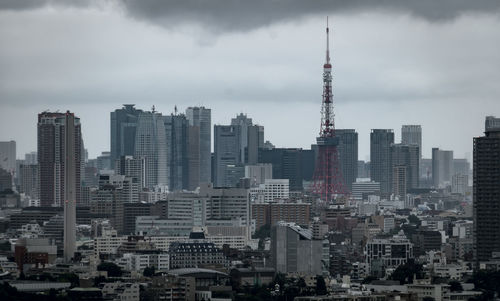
<point>181,208</point>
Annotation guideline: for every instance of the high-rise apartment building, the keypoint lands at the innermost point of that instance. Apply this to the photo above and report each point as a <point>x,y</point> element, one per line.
<point>8,155</point>
<point>412,135</point>
<point>71,142</point>
<point>486,193</point>
<point>348,155</point>
<point>380,157</point>
<point>51,161</point>
<point>123,131</point>
<point>227,151</point>
<point>200,140</point>
<point>442,167</point>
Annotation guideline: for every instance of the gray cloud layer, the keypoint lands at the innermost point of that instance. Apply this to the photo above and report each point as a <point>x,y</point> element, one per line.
<point>243,15</point>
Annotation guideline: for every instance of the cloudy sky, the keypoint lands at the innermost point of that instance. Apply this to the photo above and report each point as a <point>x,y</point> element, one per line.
<point>434,63</point>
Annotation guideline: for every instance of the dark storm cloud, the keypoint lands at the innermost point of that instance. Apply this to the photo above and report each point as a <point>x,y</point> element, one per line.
<point>242,15</point>
<point>231,15</point>
<point>33,4</point>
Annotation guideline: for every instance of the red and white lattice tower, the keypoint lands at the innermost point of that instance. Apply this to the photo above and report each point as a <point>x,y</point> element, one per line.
<point>328,182</point>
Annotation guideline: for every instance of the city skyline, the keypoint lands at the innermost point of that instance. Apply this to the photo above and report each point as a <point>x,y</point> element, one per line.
<point>91,67</point>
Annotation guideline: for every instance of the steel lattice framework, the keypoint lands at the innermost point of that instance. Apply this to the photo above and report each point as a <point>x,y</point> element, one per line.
<point>328,182</point>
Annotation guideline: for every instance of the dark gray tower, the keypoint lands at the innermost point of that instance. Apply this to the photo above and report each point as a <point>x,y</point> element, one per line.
<point>123,131</point>
<point>380,157</point>
<point>227,151</point>
<point>51,161</point>
<point>72,159</point>
<point>412,135</point>
<point>176,131</point>
<point>200,136</point>
<point>486,194</point>
<point>407,156</point>
<point>348,155</point>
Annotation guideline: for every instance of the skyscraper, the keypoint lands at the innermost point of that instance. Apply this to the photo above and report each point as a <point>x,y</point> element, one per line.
<point>227,150</point>
<point>380,157</point>
<point>486,194</point>
<point>201,117</point>
<point>442,167</point>
<point>72,157</point>
<point>412,134</point>
<point>243,122</point>
<point>255,141</point>
<point>407,156</point>
<point>176,131</point>
<point>51,161</point>
<point>150,144</point>
<point>8,155</point>
<point>348,155</point>
<point>123,131</point>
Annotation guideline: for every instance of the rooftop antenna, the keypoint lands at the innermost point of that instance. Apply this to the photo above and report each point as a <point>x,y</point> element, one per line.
<point>327,42</point>
<point>153,109</point>
<point>175,110</point>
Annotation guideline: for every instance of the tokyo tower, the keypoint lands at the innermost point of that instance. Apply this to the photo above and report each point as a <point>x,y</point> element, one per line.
<point>328,182</point>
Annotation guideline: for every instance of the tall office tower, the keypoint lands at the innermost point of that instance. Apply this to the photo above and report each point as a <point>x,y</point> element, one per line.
<point>412,134</point>
<point>227,151</point>
<point>29,180</point>
<point>51,160</point>
<point>151,144</point>
<point>134,168</point>
<point>294,164</point>
<point>8,155</point>
<point>442,167</point>
<point>243,122</point>
<point>380,158</point>
<point>72,156</point>
<point>255,141</point>
<point>407,155</point>
<point>486,194</point>
<point>201,117</point>
<point>328,182</point>
<point>348,155</point>
<point>176,130</point>
<point>123,131</point>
